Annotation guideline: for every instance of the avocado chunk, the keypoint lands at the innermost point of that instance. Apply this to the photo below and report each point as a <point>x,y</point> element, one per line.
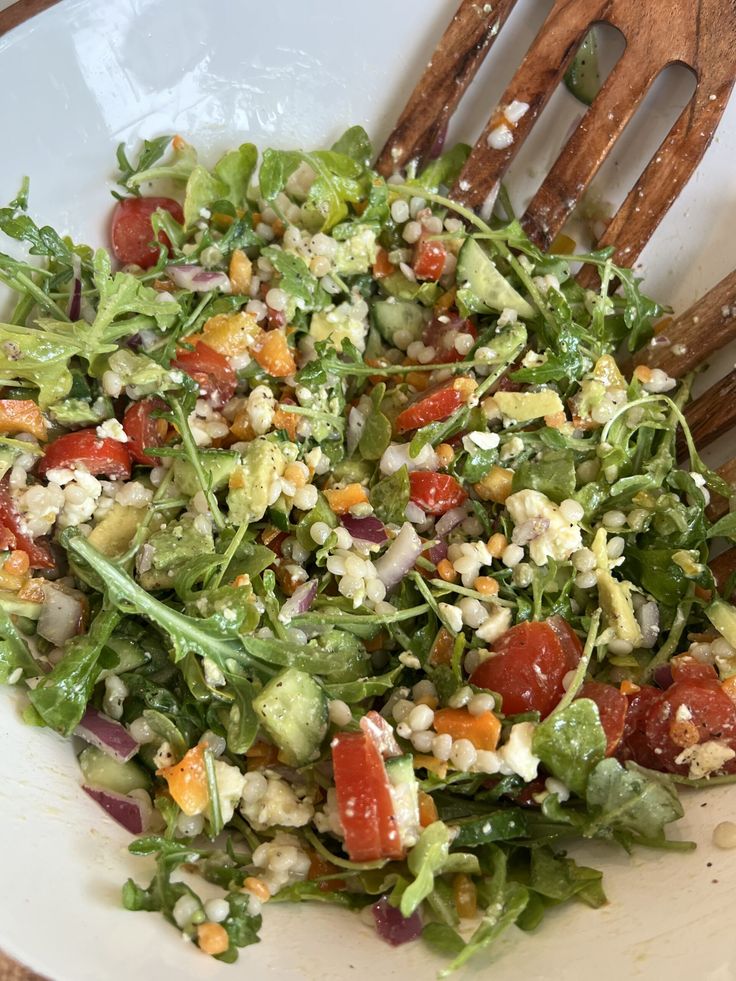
<point>172,547</point>
<point>524,406</point>
<point>217,465</point>
<point>116,530</point>
<point>478,276</point>
<point>250,481</point>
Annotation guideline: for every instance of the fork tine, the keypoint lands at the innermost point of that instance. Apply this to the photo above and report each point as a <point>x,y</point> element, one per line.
<point>666,173</point>
<point>587,148</point>
<point>458,56</point>
<point>708,325</point>
<point>712,414</point>
<point>535,81</point>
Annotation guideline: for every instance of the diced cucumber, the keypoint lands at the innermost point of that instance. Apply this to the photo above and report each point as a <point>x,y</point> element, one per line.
<point>101,770</point>
<point>723,617</point>
<point>22,608</point>
<point>293,710</point>
<point>583,77</point>
<point>218,464</point>
<point>405,796</point>
<point>390,317</point>
<point>399,286</point>
<point>477,272</point>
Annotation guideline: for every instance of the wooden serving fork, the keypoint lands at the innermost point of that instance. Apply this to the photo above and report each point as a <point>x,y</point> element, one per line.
<point>698,33</point>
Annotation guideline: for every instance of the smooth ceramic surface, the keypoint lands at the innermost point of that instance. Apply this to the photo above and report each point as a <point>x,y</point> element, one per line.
<point>90,73</point>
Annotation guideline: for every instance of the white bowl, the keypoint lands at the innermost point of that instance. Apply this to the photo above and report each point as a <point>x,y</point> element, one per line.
<point>76,81</point>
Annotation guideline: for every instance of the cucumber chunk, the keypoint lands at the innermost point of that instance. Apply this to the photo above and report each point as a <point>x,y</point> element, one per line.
<point>476,272</point>
<point>101,770</point>
<point>390,318</point>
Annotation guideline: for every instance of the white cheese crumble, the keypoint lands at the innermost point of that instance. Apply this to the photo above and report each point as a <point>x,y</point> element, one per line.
<point>112,429</point>
<point>705,758</point>
<point>539,524</point>
<point>516,755</point>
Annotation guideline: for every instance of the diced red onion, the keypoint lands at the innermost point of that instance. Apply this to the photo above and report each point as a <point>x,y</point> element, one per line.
<point>368,529</point>
<point>300,601</point>
<point>399,557</point>
<point>437,552</point>
<point>75,298</point>
<point>662,676</point>
<point>62,615</point>
<point>127,811</point>
<point>449,520</point>
<point>439,141</point>
<point>107,734</point>
<point>356,425</point>
<point>392,927</point>
<point>199,280</point>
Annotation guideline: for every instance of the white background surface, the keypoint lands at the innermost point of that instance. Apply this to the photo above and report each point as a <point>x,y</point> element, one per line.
<point>91,73</point>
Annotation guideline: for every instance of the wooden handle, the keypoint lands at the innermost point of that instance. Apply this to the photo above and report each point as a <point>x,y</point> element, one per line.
<point>712,414</point>
<point>22,11</point>
<point>707,326</point>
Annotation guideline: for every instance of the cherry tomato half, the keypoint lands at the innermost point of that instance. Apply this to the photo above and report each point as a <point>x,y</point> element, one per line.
<point>429,259</point>
<point>441,333</point>
<point>210,370</point>
<point>100,455</point>
<point>612,708</point>
<point>633,744</point>
<point>143,430</point>
<point>13,534</point>
<point>432,406</point>
<point>435,493</point>
<point>529,664</point>
<point>364,799</point>
<point>703,704</point>
<point>132,233</point>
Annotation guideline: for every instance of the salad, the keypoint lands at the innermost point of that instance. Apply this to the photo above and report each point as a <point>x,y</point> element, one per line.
<point>338,542</point>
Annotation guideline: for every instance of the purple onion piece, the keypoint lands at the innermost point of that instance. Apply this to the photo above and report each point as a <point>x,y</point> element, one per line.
<point>75,298</point>
<point>439,141</point>
<point>392,927</point>
<point>300,601</point>
<point>127,811</point>
<point>199,280</point>
<point>449,520</point>
<point>436,553</point>
<point>662,676</point>
<point>399,557</point>
<point>108,735</point>
<point>368,529</point>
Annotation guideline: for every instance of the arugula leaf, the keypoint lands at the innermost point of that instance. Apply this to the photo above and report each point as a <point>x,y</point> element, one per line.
<point>431,857</point>
<point>570,743</point>
<point>552,473</point>
<point>444,170</point>
<point>122,294</point>
<point>147,168</point>
<point>149,154</point>
<point>20,226</point>
<point>498,917</point>
<point>560,878</point>
<point>234,170</point>
<point>390,496</point>
<point>14,652</point>
<point>631,800</point>
<point>40,358</point>
<point>62,697</point>
<point>242,723</point>
<point>297,280</point>
<point>355,143</point>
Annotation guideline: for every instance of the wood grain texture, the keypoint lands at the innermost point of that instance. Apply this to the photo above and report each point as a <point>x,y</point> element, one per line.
<point>21,11</point>
<point>450,70</point>
<point>712,414</point>
<point>719,505</point>
<point>706,327</point>
<point>10,970</point>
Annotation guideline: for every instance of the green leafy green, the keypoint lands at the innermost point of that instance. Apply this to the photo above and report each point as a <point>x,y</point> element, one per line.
<point>570,743</point>
<point>630,800</point>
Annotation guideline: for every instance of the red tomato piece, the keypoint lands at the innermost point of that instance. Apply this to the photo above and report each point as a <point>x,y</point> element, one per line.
<point>432,406</point>
<point>633,744</point>
<point>612,708</point>
<point>364,799</point>
<point>210,370</point>
<point>704,705</point>
<point>132,232</point>
<point>143,429</point>
<point>435,493</point>
<point>684,667</point>
<point>100,455</point>
<point>441,333</point>
<point>14,534</point>
<point>529,664</point>
<point>429,259</point>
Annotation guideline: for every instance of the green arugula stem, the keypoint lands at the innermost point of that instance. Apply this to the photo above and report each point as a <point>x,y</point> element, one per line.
<point>192,451</point>
<point>580,670</point>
